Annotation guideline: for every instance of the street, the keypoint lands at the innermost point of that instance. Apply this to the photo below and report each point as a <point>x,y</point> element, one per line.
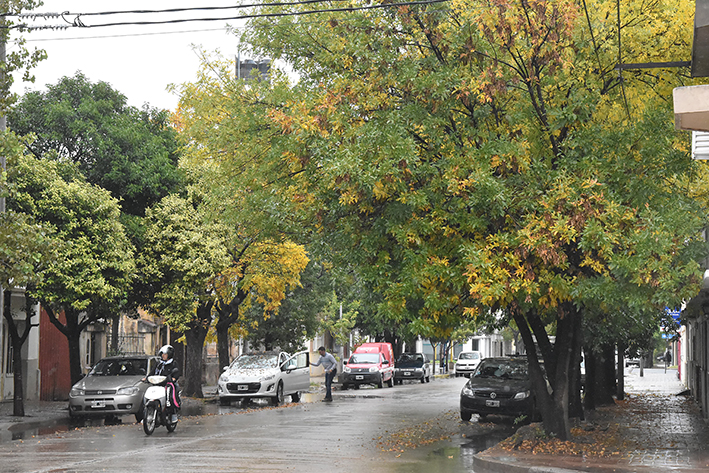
<point>410,428</point>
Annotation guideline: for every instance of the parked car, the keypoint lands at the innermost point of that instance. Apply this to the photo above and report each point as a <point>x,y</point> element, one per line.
<point>113,387</point>
<point>467,362</point>
<point>271,375</point>
<point>498,386</point>
<point>371,363</point>
<point>412,366</point>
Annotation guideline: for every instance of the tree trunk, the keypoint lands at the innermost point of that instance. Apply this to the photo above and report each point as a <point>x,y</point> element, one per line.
<point>620,373</point>
<point>18,400</point>
<point>590,397</point>
<point>195,336</point>
<point>115,321</point>
<point>604,387</point>
<point>223,344</point>
<point>554,406</point>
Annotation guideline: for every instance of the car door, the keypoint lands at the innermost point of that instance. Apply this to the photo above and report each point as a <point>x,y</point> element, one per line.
<point>295,373</point>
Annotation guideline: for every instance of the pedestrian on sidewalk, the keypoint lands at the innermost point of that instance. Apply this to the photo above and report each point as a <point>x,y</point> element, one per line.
<point>329,364</point>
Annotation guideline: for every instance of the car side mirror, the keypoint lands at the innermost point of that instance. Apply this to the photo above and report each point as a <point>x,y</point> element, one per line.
<point>225,368</point>
<point>385,362</point>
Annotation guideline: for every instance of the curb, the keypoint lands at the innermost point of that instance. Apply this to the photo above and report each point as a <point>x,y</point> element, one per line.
<point>507,465</point>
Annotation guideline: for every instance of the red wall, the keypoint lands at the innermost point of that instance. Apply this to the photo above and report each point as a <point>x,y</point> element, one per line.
<point>55,377</point>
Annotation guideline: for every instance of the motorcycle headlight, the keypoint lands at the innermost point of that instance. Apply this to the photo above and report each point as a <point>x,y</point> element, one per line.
<point>373,369</point>
<point>128,391</point>
<point>76,392</point>
<point>522,395</point>
<point>346,369</point>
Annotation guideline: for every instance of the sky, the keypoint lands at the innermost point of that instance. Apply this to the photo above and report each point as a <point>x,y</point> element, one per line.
<point>139,60</point>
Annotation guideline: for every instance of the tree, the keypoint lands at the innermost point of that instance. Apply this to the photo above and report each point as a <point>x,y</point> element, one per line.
<point>490,157</point>
<point>26,250</point>
<point>92,276</point>
<point>183,254</point>
<point>132,153</point>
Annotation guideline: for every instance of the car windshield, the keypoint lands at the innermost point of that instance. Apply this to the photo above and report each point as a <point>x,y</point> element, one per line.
<point>504,369</point>
<point>123,367</point>
<point>365,358</point>
<point>256,361</point>
<point>469,356</point>
<point>408,359</point>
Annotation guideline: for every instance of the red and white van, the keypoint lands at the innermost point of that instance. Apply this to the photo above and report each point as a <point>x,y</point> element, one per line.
<point>370,363</point>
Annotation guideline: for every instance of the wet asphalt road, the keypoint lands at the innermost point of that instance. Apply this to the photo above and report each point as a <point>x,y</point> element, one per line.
<point>410,428</point>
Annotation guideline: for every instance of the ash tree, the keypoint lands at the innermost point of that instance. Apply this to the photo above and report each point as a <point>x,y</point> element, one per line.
<point>486,156</point>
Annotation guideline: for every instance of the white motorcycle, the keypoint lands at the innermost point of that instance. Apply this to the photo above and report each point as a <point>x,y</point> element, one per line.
<point>156,412</point>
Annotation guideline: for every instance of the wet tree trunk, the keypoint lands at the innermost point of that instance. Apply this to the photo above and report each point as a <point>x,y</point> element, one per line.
<point>195,336</point>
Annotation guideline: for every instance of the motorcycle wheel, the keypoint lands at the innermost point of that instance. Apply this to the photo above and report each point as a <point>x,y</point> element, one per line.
<point>149,420</point>
<point>170,425</point>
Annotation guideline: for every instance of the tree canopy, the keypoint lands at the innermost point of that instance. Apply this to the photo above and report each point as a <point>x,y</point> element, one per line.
<point>483,156</point>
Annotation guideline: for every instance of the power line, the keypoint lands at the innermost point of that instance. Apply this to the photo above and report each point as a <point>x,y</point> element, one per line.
<point>77,22</point>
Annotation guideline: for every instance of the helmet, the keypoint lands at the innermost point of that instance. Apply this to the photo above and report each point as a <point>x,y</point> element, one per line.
<point>166,349</point>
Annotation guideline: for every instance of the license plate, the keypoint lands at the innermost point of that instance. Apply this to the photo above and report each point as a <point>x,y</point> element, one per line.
<point>98,404</point>
<point>407,373</point>
<point>243,387</point>
<point>492,403</point>
<point>359,376</point>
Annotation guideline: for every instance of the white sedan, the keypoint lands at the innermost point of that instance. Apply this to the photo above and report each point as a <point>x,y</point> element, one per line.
<point>271,375</point>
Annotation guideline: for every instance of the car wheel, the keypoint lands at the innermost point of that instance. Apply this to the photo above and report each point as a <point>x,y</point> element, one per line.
<point>465,415</point>
<point>345,386</point>
<point>356,386</point>
<point>149,419</point>
<point>390,383</point>
<point>223,401</point>
<point>295,397</point>
<point>380,384</point>
<point>277,400</point>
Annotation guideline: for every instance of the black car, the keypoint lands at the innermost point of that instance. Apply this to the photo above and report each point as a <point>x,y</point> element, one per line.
<point>498,386</point>
<point>412,366</point>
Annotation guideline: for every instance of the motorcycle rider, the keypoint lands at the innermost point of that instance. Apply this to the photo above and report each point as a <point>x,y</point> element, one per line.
<point>166,367</point>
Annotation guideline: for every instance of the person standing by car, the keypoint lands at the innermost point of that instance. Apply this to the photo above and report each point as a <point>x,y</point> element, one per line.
<point>329,364</point>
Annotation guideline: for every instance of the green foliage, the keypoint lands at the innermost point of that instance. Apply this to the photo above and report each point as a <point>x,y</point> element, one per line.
<point>96,264</point>
<point>132,153</point>
<point>183,253</point>
<point>18,57</point>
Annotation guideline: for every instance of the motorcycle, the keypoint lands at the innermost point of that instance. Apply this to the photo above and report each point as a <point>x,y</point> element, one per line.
<point>156,412</point>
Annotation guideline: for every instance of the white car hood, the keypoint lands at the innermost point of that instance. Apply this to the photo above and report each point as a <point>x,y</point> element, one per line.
<point>251,375</point>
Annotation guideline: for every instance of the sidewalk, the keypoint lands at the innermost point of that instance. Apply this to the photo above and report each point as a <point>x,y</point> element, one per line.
<point>656,429</point>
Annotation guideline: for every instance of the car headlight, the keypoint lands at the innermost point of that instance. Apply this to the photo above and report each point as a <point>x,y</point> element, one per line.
<point>467,391</point>
<point>373,369</point>
<point>128,391</point>
<point>346,369</point>
<point>522,395</point>
<point>76,392</point>
<point>223,378</point>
